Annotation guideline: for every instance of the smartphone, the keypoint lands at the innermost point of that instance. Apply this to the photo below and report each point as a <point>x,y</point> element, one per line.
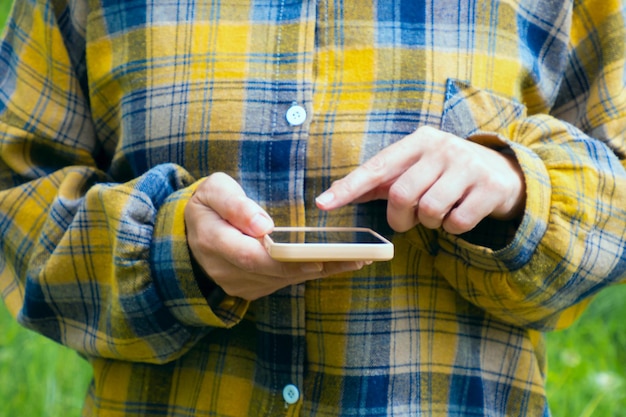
<point>323,244</point>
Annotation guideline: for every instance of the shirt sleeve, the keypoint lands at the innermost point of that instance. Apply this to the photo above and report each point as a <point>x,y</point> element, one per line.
<point>570,243</point>
<point>100,266</point>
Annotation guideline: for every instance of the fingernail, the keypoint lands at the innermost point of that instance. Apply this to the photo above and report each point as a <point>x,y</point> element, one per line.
<point>260,224</point>
<point>312,267</point>
<point>325,198</point>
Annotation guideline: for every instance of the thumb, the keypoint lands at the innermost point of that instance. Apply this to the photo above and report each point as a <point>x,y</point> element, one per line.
<point>222,194</point>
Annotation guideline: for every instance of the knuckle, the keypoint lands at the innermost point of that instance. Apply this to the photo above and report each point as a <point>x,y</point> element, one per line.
<point>440,137</point>
<point>343,186</point>
<point>430,208</point>
<point>399,196</point>
<point>376,165</point>
<point>427,130</point>
<point>234,205</point>
<point>430,216</point>
<point>458,222</point>
<point>214,180</point>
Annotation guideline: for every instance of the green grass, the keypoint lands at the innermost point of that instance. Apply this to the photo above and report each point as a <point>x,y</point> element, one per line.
<point>587,362</point>
<point>38,378</point>
<point>5,8</point>
<point>586,377</point>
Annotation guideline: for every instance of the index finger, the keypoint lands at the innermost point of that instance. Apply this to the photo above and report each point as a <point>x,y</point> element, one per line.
<point>376,172</point>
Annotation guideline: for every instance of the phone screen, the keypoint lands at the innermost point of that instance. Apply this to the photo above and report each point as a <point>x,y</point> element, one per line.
<point>299,244</point>
<point>324,236</point>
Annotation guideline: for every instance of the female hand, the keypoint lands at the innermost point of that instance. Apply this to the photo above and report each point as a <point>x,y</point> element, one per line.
<point>224,231</point>
<point>435,179</point>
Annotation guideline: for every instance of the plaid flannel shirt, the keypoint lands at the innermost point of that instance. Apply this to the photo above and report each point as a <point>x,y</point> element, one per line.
<point>112,111</point>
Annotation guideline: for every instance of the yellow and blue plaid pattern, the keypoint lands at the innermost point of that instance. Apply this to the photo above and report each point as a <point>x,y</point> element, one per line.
<point>111,111</point>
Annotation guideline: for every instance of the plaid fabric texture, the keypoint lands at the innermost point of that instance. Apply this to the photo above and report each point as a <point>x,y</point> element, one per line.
<point>112,111</point>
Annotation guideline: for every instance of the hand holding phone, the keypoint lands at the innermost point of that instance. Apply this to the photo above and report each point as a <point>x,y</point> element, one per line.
<point>225,231</point>
<point>324,244</point>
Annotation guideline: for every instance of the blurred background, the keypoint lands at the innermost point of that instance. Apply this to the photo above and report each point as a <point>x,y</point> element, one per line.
<point>586,363</point>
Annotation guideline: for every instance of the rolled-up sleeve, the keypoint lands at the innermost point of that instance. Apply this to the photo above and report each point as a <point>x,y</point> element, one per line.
<point>570,243</point>
<point>97,263</point>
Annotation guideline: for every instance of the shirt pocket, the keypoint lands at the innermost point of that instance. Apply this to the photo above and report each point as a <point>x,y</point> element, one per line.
<point>485,117</point>
<point>469,111</point>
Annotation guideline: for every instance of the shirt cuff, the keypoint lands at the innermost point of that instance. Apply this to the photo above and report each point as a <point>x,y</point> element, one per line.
<point>179,283</point>
<point>510,245</point>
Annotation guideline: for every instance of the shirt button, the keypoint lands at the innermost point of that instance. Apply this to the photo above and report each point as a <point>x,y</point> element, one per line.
<point>291,394</point>
<point>296,115</point>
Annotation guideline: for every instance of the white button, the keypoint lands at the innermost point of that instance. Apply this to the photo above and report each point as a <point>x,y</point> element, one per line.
<point>296,115</point>
<point>291,394</point>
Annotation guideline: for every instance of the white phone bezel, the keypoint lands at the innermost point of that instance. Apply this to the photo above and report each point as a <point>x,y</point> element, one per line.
<point>327,252</point>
